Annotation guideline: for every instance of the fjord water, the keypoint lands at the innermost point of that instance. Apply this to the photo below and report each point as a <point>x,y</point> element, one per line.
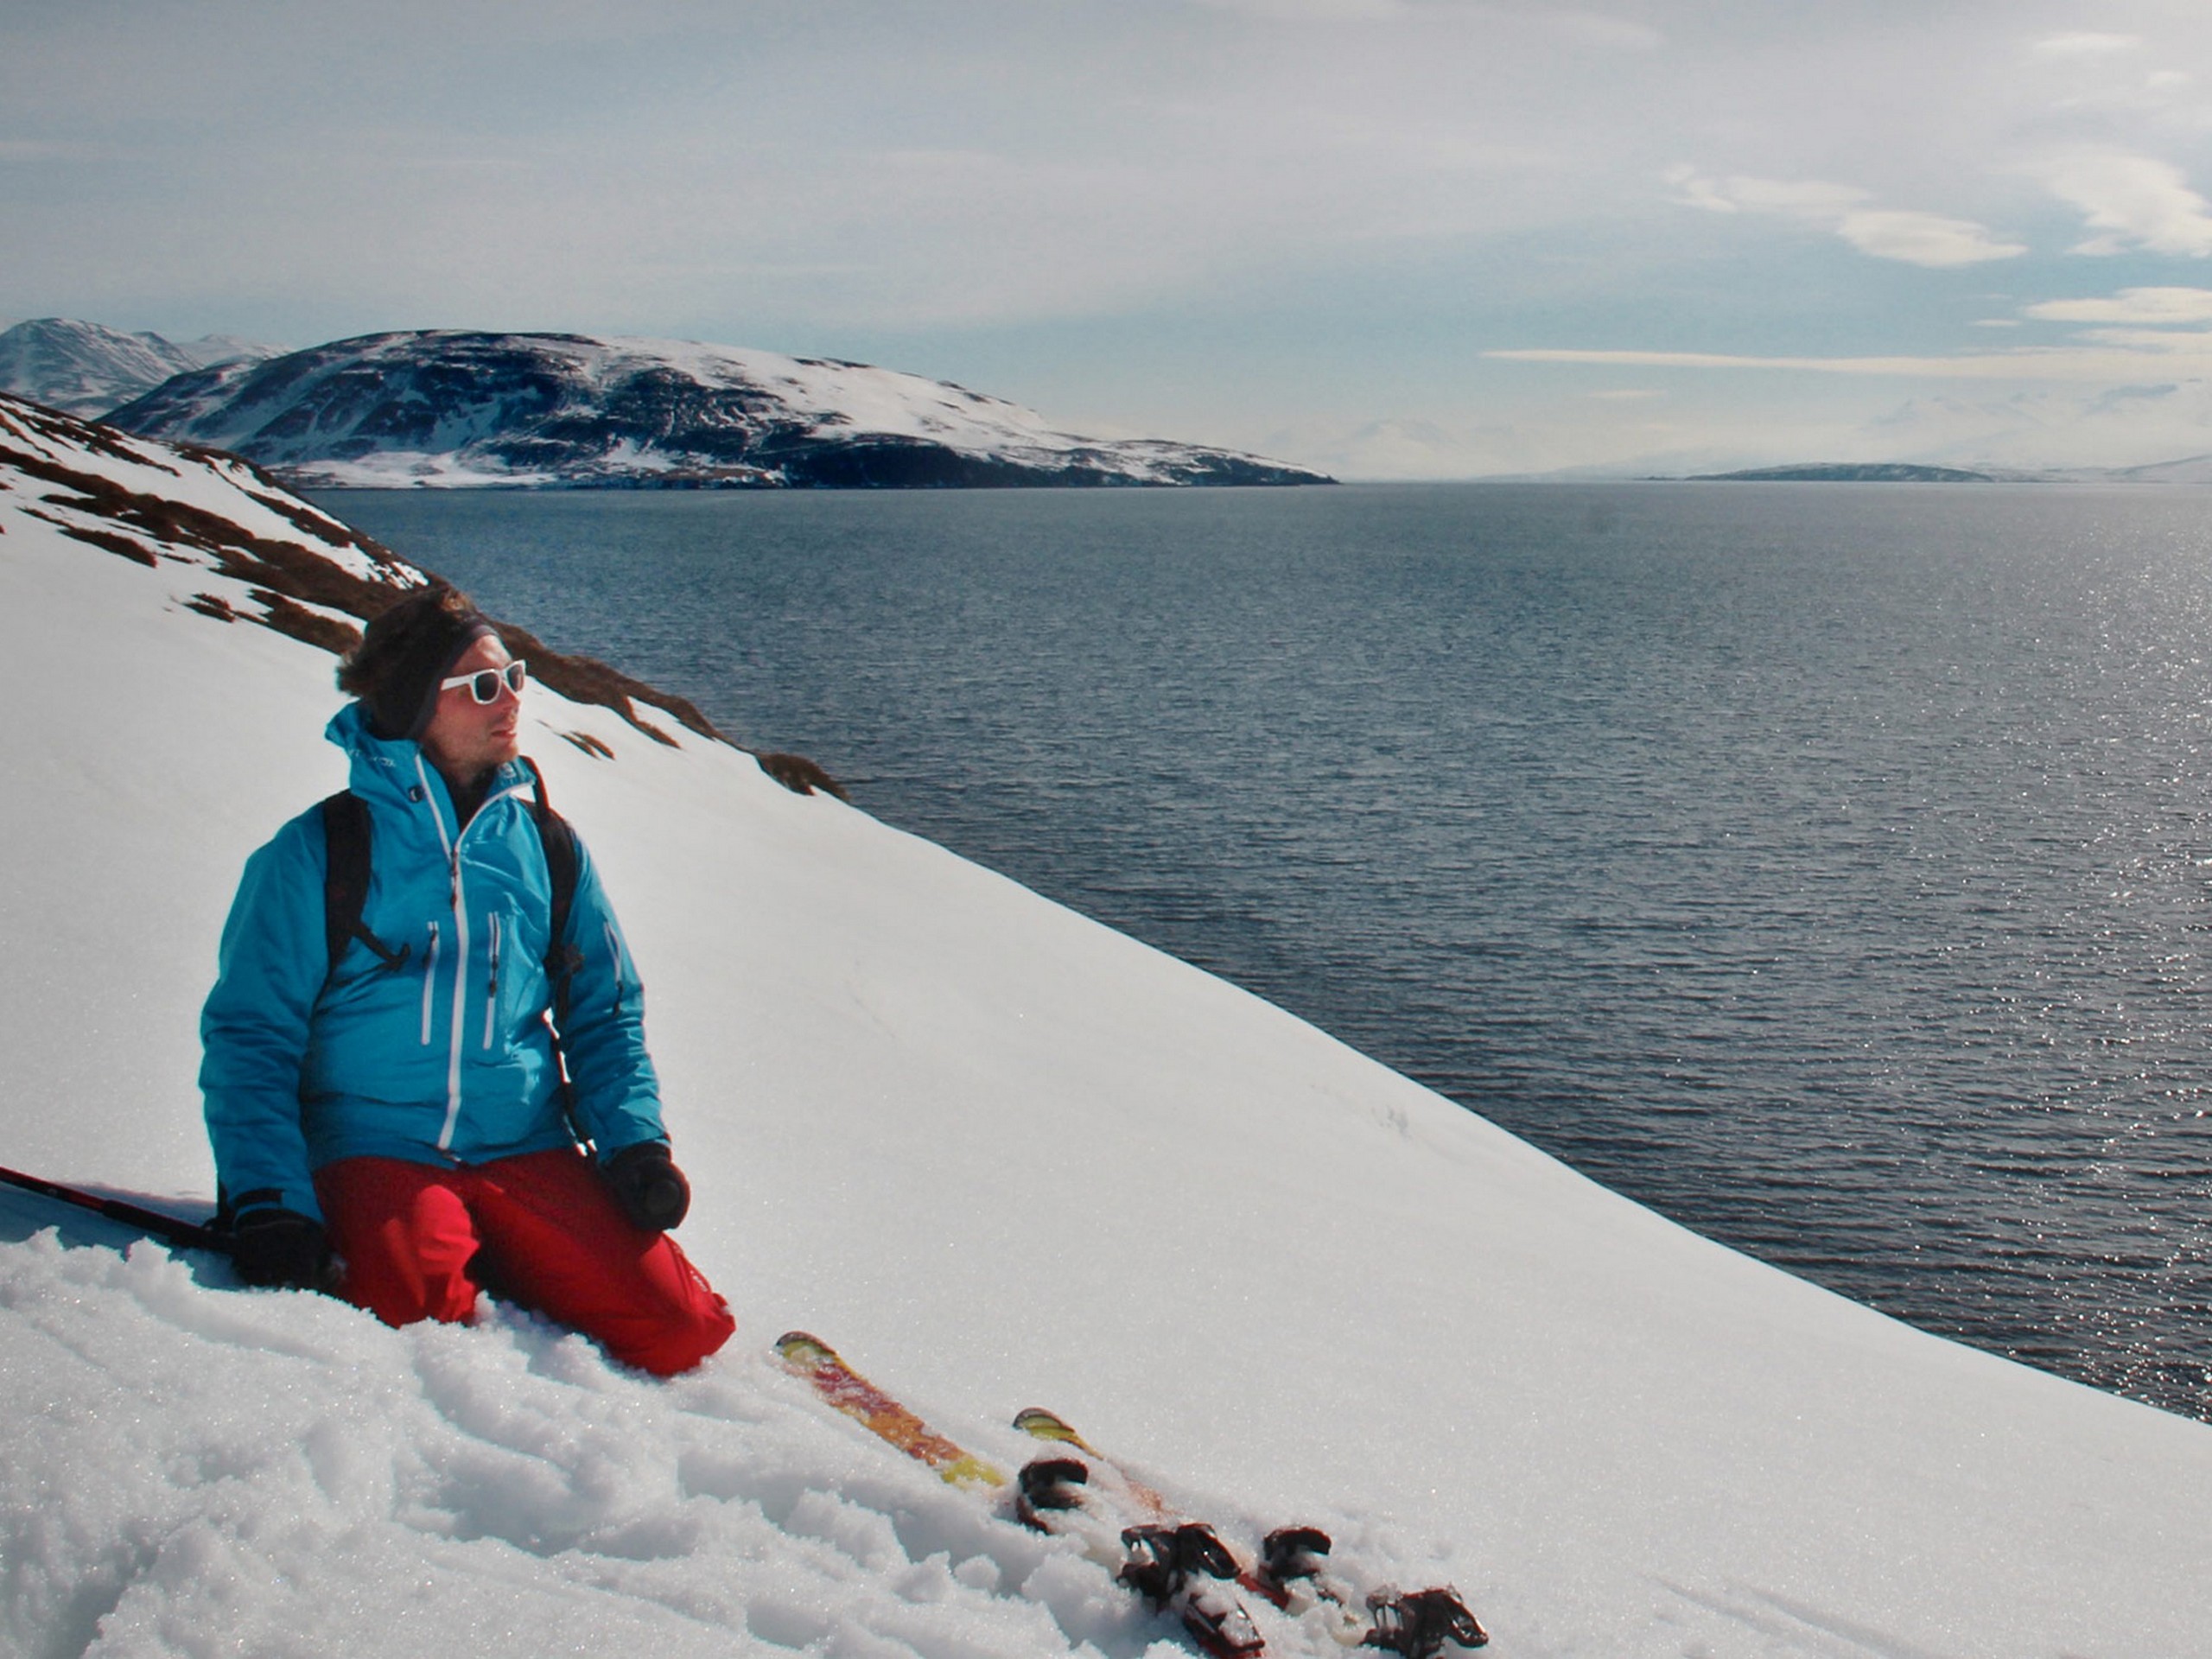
<point>1824,866</point>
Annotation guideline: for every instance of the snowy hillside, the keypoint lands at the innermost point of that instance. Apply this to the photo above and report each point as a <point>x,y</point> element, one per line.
<point>455,409</point>
<point>87,369</point>
<point>997,1154</point>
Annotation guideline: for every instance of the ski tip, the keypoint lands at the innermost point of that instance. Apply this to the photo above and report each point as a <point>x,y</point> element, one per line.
<point>798,1348</point>
<point>1043,1425</point>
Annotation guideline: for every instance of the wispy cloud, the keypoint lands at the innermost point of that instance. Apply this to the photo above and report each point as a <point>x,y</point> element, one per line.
<point>1924,239</point>
<point>1616,34</point>
<point>2134,202</point>
<point>2085,44</point>
<point>1905,234</point>
<point>2147,330</point>
<point>2118,358</point>
<point>2194,342</point>
<point>2148,307</point>
<point>1314,10</point>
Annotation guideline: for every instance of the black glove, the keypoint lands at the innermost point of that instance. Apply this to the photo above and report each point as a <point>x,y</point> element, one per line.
<point>280,1247</point>
<point>647,1184</point>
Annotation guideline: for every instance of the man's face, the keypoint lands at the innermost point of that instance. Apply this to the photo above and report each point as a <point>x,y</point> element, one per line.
<point>466,738</point>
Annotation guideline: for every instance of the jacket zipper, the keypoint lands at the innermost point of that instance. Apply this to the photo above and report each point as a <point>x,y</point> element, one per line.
<point>452,845</point>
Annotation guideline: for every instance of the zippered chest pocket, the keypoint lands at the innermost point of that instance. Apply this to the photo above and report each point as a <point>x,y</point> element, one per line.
<point>513,987</point>
<point>431,953</point>
<point>493,933</point>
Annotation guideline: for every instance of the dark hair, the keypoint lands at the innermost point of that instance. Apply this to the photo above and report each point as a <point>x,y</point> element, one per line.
<point>407,648</point>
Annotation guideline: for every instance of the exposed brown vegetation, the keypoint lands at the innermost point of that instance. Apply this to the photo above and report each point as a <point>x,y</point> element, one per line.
<point>107,441</point>
<point>802,776</point>
<point>136,551</point>
<point>286,580</point>
<point>288,617</point>
<point>283,567</point>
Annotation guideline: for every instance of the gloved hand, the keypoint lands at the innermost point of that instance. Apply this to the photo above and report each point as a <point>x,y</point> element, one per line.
<point>648,1186</point>
<point>280,1247</point>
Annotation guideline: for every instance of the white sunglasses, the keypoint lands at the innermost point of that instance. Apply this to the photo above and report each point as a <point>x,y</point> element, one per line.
<point>483,684</point>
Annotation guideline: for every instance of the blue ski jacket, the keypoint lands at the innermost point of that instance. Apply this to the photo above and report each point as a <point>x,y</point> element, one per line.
<point>444,1056</point>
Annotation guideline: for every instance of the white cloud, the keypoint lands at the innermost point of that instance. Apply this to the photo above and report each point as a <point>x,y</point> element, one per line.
<point>1927,239</point>
<point>2085,44</point>
<point>2136,202</point>
<point>1698,191</point>
<point>2147,306</point>
<point>2122,356</point>
<point>1813,199</point>
<point>1916,239</point>
<point>1613,34</point>
<point>2195,341</point>
<point>1312,10</point>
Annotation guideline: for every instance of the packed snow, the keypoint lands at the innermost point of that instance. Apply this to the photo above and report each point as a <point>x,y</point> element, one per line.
<point>1000,1156</point>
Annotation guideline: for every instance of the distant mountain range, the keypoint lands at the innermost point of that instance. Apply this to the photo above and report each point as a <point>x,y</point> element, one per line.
<point>450,408</point>
<point>83,369</point>
<point>2194,469</point>
<point>1851,472</point>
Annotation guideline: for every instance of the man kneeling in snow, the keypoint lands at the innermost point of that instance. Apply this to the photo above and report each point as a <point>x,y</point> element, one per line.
<point>387,1110</point>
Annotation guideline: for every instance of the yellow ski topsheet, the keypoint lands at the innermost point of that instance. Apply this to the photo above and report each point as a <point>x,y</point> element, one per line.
<point>1044,1425</point>
<point>858,1398</point>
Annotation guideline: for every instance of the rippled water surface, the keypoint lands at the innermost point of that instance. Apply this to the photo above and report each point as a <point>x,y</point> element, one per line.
<point>1825,866</point>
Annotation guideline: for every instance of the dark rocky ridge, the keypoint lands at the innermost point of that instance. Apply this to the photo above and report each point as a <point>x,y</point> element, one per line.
<point>454,408</point>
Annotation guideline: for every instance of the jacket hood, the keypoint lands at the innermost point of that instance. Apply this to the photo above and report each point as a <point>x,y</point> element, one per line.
<point>394,769</point>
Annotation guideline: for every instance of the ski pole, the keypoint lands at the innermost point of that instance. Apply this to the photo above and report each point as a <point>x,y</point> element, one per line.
<point>170,1229</point>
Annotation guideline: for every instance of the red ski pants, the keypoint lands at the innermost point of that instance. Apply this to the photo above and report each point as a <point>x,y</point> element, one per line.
<point>420,1241</point>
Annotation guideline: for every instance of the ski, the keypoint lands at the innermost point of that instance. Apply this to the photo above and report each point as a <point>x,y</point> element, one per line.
<point>845,1389</point>
<point>1172,1568</point>
<point>1133,1495</point>
<point>1293,1571</point>
<point>170,1229</point>
<point>1177,1564</point>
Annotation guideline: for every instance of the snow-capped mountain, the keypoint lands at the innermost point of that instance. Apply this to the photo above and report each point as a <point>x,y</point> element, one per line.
<point>87,369</point>
<point>450,408</point>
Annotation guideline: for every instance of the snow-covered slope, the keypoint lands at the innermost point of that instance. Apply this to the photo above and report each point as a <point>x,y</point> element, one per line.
<point>999,1154</point>
<point>87,369</point>
<point>450,408</point>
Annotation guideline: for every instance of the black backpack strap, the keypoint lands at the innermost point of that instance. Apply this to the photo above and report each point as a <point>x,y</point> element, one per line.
<point>345,882</point>
<point>562,957</point>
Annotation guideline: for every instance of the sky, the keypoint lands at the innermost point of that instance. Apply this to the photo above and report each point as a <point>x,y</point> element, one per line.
<point>1391,238</point>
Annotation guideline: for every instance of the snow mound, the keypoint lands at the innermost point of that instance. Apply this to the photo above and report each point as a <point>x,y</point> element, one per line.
<point>998,1154</point>
<point>227,1473</point>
